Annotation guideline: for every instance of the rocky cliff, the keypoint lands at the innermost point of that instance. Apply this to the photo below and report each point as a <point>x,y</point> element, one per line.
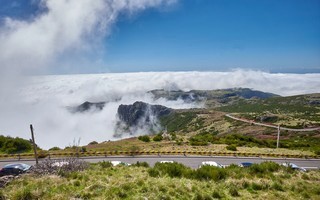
<point>132,114</point>
<point>140,116</point>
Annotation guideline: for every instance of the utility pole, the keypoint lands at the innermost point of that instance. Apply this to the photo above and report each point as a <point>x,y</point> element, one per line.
<point>34,144</point>
<point>278,138</point>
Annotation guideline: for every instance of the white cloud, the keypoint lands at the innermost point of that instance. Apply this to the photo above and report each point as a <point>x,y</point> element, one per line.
<point>68,27</point>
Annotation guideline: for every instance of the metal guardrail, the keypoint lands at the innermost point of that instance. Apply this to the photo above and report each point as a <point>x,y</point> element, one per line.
<point>133,153</point>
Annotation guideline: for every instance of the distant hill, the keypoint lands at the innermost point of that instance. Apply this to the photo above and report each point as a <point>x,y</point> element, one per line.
<point>86,106</point>
<point>213,98</point>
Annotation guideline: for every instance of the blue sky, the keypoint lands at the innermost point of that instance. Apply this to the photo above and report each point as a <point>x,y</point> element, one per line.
<point>208,35</point>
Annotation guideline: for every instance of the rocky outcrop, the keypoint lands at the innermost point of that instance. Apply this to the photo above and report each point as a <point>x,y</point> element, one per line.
<point>140,116</point>
<point>86,106</point>
<point>131,115</point>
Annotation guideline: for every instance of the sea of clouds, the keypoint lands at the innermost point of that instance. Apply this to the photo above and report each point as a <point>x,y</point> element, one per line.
<point>43,100</point>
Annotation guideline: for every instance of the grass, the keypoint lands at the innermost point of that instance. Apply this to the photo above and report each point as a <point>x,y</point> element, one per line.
<point>177,121</point>
<point>101,181</point>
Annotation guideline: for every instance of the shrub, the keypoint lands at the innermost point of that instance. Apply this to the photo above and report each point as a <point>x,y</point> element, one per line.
<point>93,143</point>
<point>317,152</point>
<point>264,167</point>
<point>172,169</point>
<point>144,138</point>
<point>153,172</point>
<point>83,149</point>
<point>141,164</point>
<point>54,149</point>
<point>210,173</point>
<point>231,148</point>
<point>14,145</point>
<point>157,138</point>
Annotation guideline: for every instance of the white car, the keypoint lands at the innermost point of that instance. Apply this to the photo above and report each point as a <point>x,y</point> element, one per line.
<point>115,163</point>
<point>211,163</point>
<point>166,161</point>
<point>294,166</point>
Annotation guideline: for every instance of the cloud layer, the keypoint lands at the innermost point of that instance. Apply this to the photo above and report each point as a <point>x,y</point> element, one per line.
<point>43,100</point>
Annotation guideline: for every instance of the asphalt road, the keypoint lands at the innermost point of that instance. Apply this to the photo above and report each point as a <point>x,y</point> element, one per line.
<point>191,161</point>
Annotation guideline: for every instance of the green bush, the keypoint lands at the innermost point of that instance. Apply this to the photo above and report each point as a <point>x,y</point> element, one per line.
<point>54,149</point>
<point>157,138</point>
<point>14,145</point>
<point>231,148</point>
<point>264,167</point>
<point>210,173</point>
<point>144,138</point>
<point>172,169</point>
<point>153,172</point>
<point>141,164</point>
<point>93,143</point>
<point>317,152</point>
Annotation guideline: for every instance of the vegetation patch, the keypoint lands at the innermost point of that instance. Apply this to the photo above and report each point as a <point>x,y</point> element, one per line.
<point>172,181</point>
<point>177,121</point>
<point>11,145</point>
<point>144,138</point>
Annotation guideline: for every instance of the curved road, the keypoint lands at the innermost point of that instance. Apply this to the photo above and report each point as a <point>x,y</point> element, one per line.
<point>191,161</point>
<point>271,126</point>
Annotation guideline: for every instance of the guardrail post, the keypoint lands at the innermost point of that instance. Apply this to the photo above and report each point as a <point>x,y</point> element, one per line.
<point>34,144</point>
<point>278,136</point>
